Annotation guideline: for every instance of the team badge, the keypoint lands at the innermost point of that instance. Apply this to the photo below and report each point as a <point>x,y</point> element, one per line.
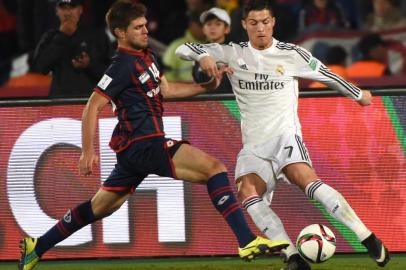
<point>280,70</point>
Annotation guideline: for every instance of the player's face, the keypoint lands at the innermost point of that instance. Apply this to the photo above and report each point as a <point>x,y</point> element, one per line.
<point>136,34</point>
<point>259,25</point>
<point>215,30</point>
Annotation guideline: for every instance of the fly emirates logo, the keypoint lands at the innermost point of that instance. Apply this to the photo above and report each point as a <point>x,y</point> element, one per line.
<point>262,82</point>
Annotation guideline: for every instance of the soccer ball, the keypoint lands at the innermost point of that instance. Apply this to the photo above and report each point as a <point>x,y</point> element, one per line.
<point>316,243</point>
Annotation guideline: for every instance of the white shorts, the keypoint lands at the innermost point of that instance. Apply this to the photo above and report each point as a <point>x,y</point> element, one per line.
<point>268,159</point>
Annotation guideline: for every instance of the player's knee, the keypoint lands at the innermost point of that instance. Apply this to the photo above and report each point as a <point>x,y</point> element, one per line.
<point>250,185</point>
<point>245,189</point>
<point>300,174</point>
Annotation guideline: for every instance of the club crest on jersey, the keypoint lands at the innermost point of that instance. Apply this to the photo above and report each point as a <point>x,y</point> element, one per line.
<point>144,77</point>
<point>280,70</point>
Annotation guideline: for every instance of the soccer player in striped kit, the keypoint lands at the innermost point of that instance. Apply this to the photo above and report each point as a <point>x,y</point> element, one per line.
<point>263,73</point>
<point>135,87</point>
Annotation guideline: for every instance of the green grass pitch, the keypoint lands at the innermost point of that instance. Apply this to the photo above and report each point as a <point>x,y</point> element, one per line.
<point>339,262</point>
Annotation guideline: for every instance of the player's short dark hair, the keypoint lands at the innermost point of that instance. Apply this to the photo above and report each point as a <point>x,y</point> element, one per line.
<point>122,12</point>
<point>257,5</point>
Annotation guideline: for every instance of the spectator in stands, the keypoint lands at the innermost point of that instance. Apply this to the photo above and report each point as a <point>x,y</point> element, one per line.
<point>237,33</point>
<point>386,15</point>
<point>167,20</point>
<point>374,58</point>
<point>8,37</point>
<point>76,55</point>
<point>175,68</point>
<point>352,12</point>
<point>216,25</point>
<point>34,18</point>
<point>336,61</point>
<point>227,5</point>
<point>322,15</point>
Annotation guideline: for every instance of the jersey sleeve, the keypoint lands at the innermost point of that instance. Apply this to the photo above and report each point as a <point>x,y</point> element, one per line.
<point>115,79</point>
<point>309,67</point>
<point>195,51</point>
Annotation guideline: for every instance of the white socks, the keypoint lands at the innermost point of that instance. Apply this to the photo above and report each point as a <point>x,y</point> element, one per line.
<point>338,207</point>
<point>268,222</point>
<point>271,225</point>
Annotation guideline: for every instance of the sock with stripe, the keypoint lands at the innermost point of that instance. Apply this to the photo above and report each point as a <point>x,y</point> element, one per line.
<point>71,222</point>
<point>223,199</point>
<point>268,222</point>
<point>337,206</point>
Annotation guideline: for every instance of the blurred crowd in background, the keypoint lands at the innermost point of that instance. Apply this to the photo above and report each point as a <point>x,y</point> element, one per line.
<point>355,38</point>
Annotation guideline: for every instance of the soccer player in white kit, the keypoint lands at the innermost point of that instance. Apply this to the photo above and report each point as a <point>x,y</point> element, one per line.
<point>263,73</point>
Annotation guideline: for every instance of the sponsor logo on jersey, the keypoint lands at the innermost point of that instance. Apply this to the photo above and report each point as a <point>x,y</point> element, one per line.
<point>261,82</point>
<point>104,82</point>
<point>153,92</point>
<point>144,77</point>
<point>155,72</point>
<point>260,85</point>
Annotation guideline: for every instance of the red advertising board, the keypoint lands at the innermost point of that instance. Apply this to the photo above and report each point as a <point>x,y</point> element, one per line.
<point>360,151</point>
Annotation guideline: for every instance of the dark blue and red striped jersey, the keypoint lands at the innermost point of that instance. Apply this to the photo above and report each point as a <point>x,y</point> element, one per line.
<point>132,84</point>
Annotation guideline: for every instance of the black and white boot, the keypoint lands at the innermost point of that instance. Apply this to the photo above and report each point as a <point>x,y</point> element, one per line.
<point>377,251</point>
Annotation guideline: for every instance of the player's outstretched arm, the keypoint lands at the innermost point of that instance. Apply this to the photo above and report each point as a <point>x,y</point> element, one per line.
<point>173,90</point>
<point>88,158</point>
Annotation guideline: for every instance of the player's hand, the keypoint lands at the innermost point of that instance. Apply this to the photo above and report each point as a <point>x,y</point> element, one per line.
<point>225,69</point>
<point>86,163</point>
<point>82,61</point>
<point>216,81</point>
<point>366,98</point>
<point>209,65</point>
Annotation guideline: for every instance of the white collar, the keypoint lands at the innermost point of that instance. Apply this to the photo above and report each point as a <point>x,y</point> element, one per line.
<point>269,50</point>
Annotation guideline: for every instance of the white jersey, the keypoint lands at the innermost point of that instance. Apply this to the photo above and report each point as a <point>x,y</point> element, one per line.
<point>265,83</point>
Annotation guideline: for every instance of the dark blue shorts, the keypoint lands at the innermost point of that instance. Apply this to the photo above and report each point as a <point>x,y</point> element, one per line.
<point>141,158</point>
